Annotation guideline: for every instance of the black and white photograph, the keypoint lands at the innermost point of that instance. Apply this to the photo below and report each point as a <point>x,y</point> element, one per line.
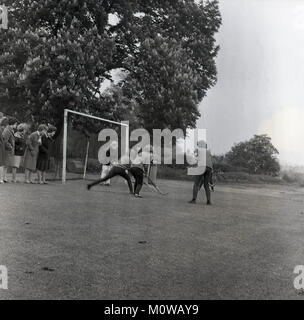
<point>151,150</point>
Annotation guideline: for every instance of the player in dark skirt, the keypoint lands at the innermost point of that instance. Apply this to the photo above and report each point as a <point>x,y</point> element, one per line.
<point>43,160</point>
<point>138,170</point>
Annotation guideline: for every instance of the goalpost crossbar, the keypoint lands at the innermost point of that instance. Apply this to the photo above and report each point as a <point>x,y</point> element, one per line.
<point>93,117</point>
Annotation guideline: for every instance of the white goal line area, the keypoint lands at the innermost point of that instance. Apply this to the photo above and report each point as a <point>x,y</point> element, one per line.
<point>65,138</point>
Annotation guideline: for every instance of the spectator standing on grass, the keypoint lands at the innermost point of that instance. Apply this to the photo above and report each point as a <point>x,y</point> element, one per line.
<point>9,141</point>
<point>31,153</point>
<point>20,145</point>
<point>43,161</point>
<point>3,125</point>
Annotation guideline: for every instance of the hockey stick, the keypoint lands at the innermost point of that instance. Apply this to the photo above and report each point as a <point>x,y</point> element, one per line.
<point>155,186</point>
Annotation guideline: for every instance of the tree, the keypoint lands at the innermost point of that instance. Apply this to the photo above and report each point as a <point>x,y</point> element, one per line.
<point>173,64</point>
<point>56,55</point>
<point>258,155</point>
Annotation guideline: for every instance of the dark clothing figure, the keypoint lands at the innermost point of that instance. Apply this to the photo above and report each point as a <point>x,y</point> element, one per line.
<point>20,145</point>
<point>2,149</point>
<point>43,160</point>
<point>205,179</point>
<point>116,170</point>
<point>211,184</point>
<point>138,175</point>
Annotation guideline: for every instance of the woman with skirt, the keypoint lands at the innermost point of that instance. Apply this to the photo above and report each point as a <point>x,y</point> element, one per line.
<point>20,145</point>
<point>31,153</point>
<point>9,140</point>
<point>3,125</point>
<point>43,161</point>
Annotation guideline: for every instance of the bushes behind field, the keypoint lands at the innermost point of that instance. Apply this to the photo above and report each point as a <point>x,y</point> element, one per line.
<point>291,176</point>
<point>167,172</point>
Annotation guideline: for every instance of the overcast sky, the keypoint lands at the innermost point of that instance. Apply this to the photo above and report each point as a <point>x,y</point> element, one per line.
<point>260,85</point>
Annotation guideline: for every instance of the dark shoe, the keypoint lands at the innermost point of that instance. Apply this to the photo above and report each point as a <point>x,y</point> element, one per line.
<point>89,187</point>
<point>192,201</point>
<point>209,203</point>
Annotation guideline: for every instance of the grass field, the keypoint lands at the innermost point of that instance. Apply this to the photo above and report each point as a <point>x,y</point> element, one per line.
<point>63,242</point>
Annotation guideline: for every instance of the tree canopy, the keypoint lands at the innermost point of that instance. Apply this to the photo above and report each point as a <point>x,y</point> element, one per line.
<point>57,54</point>
<point>258,156</point>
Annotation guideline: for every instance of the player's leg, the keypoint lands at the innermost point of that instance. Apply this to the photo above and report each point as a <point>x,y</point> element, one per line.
<point>207,178</point>
<point>201,183</point>
<point>134,174</point>
<point>139,179</point>
<point>14,174</point>
<point>113,172</point>
<point>104,172</point>
<point>211,183</point>
<point>197,182</point>
<point>1,175</point>
<point>124,174</point>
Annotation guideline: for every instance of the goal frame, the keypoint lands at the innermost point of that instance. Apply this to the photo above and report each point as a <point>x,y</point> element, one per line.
<point>65,136</point>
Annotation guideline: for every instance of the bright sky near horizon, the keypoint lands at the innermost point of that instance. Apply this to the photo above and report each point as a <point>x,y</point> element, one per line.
<point>260,85</point>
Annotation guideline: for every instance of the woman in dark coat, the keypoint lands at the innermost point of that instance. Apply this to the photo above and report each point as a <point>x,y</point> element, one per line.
<point>3,125</point>
<point>43,161</point>
<point>20,146</point>
<point>9,140</point>
<point>31,152</point>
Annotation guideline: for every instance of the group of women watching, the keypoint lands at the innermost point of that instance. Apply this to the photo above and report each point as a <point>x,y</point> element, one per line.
<point>21,148</point>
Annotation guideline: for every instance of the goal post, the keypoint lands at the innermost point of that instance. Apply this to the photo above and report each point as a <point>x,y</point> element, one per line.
<point>122,124</point>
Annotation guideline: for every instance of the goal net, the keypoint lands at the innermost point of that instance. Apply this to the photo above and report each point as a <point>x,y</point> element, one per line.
<point>80,145</point>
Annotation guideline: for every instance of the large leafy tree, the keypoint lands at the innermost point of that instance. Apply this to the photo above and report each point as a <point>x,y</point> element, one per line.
<point>258,155</point>
<point>172,64</point>
<point>56,55</point>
